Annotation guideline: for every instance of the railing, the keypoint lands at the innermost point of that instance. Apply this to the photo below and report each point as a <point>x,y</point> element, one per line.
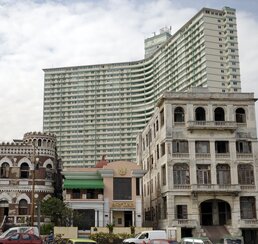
<point>230,125</point>
<point>248,223</point>
<point>244,155</point>
<point>202,155</point>
<point>215,187</point>
<point>222,155</point>
<point>184,223</point>
<point>180,155</point>
<point>182,186</point>
<point>247,187</point>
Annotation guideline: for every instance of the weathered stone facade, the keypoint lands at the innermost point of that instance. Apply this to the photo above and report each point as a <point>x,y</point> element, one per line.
<point>200,150</point>
<point>24,163</point>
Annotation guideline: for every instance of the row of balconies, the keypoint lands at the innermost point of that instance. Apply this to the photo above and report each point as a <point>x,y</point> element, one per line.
<point>192,223</point>
<point>214,188</point>
<point>217,155</point>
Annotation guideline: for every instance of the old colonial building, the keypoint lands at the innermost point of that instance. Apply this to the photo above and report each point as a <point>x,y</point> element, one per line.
<point>110,193</point>
<point>200,151</point>
<point>28,167</point>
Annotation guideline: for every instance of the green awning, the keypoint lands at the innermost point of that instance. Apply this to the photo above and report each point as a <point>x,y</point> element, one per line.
<point>83,184</point>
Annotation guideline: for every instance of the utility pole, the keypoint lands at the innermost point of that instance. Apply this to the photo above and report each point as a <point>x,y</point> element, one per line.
<point>33,183</point>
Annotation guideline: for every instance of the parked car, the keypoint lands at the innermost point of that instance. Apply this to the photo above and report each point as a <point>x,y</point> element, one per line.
<point>195,240</point>
<point>146,236</point>
<point>22,238</point>
<point>20,229</point>
<point>161,241</point>
<point>81,241</point>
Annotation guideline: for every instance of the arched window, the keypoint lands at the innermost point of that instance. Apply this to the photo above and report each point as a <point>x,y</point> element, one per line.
<point>181,174</point>
<point>223,174</point>
<point>179,115</point>
<point>39,142</point>
<point>200,114</point>
<point>23,207</point>
<point>240,115</point>
<point>245,174</point>
<point>5,168</point>
<point>219,114</point>
<point>49,172</point>
<point>24,171</point>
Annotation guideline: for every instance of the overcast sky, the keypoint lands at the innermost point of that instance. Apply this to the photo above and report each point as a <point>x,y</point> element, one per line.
<point>44,34</point>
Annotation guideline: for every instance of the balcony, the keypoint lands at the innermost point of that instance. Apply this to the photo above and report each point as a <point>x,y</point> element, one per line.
<point>211,125</point>
<point>190,223</point>
<point>222,155</point>
<point>212,188</point>
<point>202,155</point>
<point>244,156</point>
<point>248,223</point>
<point>180,155</point>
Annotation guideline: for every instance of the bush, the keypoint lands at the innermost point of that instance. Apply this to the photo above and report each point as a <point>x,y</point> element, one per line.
<point>46,228</point>
<point>105,238</point>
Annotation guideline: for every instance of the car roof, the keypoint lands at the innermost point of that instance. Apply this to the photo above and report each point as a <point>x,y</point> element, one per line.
<point>81,240</point>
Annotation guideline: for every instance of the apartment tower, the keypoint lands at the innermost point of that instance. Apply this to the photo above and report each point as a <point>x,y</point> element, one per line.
<point>97,110</point>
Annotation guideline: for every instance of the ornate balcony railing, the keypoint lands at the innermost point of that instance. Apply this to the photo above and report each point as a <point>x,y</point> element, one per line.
<point>215,188</point>
<point>191,223</point>
<point>212,125</point>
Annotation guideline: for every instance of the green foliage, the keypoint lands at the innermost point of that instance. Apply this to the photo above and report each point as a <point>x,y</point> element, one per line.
<point>132,228</point>
<point>46,228</point>
<point>57,210</point>
<point>110,228</point>
<point>105,238</point>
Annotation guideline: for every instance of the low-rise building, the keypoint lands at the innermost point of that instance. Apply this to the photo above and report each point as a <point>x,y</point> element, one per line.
<point>109,193</point>
<point>200,153</point>
<point>28,169</point>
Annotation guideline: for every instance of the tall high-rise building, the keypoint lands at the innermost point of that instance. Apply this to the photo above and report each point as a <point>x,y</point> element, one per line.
<point>97,110</point>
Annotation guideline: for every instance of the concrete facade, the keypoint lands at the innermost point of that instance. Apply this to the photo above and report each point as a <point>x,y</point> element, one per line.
<point>200,150</point>
<point>97,110</point>
<point>99,204</point>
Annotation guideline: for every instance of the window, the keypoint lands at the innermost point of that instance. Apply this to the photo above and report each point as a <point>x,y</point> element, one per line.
<point>163,175</point>
<point>138,185</point>
<point>24,171</point>
<point>179,115</point>
<point>163,149</point>
<point>240,115</point>
<point>181,211</point>
<point>49,172</point>
<point>180,146</point>
<point>202,147</point>
<point>200,114</point>
<point>245,174</point>
<point>244,147</point>
<point>223,174</point>
<point>164,201</point>
<point>23,207</point>
<point>162,117</point>
<point>76,193</point>
<point>203,174</point>
<point>221,146</point>
<point>5,168</point>
<point>247,208</point>
<point>181,174</point>
<point>122,189</point>
<point>219,114</point>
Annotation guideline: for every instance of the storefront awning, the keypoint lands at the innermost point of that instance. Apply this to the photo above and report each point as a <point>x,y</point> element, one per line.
<point>83,184</point>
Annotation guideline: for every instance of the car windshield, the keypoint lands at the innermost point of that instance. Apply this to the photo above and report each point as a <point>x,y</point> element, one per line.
<point>237,241</point>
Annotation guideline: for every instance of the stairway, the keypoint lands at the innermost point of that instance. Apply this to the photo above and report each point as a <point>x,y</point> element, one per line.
<point>216,232</point>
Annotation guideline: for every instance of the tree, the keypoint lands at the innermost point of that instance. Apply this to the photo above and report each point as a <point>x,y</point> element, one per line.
<point>57,210</point>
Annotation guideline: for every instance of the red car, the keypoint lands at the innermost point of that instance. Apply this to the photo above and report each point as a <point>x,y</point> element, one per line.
<point>22,238</point>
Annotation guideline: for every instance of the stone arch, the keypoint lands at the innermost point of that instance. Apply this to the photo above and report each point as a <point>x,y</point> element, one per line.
<point>6,160</point>
<point>215,211</point>
<point>23,196</point>
<point>25,160</point>
<point>48,161</point>
<point>5,197</point>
